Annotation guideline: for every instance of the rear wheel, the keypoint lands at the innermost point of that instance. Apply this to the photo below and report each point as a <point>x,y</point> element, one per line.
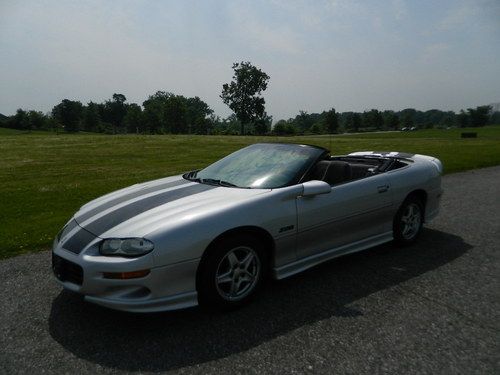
<point>232,272</point>
<point>408,221</point>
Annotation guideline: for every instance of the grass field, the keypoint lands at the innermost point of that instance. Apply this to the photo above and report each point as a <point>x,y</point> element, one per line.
<point>46,177</point>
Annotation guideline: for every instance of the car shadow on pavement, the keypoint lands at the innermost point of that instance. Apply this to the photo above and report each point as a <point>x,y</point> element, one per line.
<point>172,340</point>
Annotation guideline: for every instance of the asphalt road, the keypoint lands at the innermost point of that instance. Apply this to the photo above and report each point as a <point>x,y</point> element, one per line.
<point>430,308</point>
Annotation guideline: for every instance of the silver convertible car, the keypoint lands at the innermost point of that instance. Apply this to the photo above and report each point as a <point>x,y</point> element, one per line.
<point>211,236</point>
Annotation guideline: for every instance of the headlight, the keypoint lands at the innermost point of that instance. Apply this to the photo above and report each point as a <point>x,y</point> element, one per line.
<point>128,247</point>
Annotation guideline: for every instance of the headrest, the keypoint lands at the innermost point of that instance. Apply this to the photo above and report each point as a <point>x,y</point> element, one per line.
<point>337,172</point>
<point>320,169</point>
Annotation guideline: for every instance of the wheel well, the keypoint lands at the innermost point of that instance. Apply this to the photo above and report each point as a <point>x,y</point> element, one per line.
<point>421,195</point>
<point>260,233</point>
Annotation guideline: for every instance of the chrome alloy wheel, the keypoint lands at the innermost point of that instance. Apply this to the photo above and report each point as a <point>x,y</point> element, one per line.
<point>237,273</point>
<point>411,221</point>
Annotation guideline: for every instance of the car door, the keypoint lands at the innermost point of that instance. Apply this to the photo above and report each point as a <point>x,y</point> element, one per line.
<point>351,212</point>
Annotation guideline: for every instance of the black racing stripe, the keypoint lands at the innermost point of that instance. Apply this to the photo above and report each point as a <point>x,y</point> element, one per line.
<point>122,214</point>
<point>68,228</point>
<point>127,197</point>
<point>78,241</point>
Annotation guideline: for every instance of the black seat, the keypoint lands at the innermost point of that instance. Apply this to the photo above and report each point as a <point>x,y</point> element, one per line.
<point>360,170</point>
<point>334,172</point>
<point>319,171</point>
<point>337,172</point>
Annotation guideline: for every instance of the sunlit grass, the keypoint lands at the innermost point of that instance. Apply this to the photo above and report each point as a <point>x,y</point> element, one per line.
<point>45,177</point>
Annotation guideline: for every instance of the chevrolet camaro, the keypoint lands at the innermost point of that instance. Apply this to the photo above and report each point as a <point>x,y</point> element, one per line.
<point>211,236</point>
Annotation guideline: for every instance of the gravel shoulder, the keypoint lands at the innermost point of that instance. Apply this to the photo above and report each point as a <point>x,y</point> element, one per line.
<point>433,307</point>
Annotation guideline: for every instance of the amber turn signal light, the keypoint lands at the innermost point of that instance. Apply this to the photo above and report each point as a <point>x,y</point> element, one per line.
<point>126,275</point>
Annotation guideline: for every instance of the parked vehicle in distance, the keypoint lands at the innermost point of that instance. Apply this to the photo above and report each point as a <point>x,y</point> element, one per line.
<point>211,236</point>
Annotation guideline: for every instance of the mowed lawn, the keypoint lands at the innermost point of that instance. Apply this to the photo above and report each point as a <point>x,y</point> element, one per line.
<point>45,177</point>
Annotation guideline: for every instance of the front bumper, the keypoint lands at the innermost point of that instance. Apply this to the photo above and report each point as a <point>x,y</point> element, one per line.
<point>165,288</point>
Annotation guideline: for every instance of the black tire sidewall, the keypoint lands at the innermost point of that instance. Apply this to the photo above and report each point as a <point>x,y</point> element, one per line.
<point>205,283</point>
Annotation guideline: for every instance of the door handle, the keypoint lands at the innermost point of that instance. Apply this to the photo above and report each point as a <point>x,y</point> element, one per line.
<point>383,188</point>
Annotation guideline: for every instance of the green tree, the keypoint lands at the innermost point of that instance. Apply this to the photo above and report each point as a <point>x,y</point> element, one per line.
<point>479,116</point>
<point>263,125</point>
<point>331,121</point>
<point>91,117</point>
<point>154,118</point>
<point>133,120</point>
<point>356,122</point>
<point>114,111</point>
<point>283,127</point>
<point>316,128</point>
<point>303,121</point>
<point>494,118</point>
<point>243,94</point>
<point>198,116</point>
<point>37,120</point>
<point>231,125</point>
<point>280,127</point>
<point>373,118</point>
<point>408,117</point>
<point>165,112</point>
<point>69,114</point>
<point>3,120</point>
<point>52,124</point>
<point>378,119</point>
<point>19,121</point>
<point>463,119</point>
<point>175,114</point>
<point>391,120</point>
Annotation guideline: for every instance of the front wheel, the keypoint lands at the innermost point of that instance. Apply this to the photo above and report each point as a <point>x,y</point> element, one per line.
<point>408,221</point>
<point>232,272</point>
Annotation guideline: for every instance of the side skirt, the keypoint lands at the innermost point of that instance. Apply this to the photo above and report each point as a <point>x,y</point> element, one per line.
<point>313,260</point>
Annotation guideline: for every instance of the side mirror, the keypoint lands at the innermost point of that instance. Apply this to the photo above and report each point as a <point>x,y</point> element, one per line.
<point>315,187</point>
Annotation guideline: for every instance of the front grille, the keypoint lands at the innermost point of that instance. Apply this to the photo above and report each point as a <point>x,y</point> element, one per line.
<point>66,270</point>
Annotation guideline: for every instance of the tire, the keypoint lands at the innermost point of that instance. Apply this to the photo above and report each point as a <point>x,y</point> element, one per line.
<point>408,221</point>
<point>232,272</point>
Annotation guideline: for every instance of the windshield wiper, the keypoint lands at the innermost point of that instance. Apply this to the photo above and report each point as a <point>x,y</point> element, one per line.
<point>191,176</point>
<point>213,181</point>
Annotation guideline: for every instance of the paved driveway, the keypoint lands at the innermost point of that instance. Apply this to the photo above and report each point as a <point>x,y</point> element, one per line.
<point>430,308</point>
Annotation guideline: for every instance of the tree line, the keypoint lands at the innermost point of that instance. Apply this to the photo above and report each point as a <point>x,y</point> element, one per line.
<point>329,122</point>
<point>168,113</point>
<point>161,113</point>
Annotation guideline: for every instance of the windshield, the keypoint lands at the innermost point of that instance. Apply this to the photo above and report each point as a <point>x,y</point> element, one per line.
<point>260,166</point>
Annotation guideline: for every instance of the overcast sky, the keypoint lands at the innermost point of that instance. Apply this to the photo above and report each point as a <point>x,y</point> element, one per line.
<point>349,55</point>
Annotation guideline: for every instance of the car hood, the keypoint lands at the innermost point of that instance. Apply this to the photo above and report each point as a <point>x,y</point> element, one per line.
<point>143,208</point>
